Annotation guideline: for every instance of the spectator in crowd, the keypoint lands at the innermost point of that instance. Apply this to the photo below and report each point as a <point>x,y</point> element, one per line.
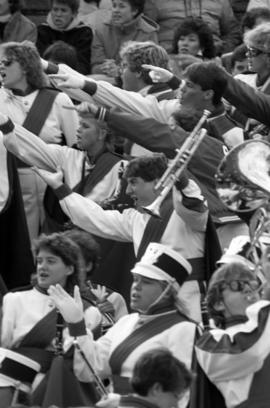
<point>14,26</point>
<point>63,24</point>
<point>62,53</point>
<point>193,36</point>
<point>156,302</point>
<point>254,17</point>
<point>218,14</point>
<point>93,11</point>
<point>239,8</point>
<point>193,41</point>
<point>250,19</point>
<point>29,318</point>
<point>125,23</point>
<point>26,99</point>
<point>258,3</point>
<point>257,42</point>
<point>235,354</point>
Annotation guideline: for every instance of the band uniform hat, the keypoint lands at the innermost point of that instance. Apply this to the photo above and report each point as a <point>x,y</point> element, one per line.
<point>161,262</point>
<point>17,370</point>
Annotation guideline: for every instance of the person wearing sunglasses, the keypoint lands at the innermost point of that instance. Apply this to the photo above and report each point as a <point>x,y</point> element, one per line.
<point>27,100</point>
<point>235,354</point>
<point>258,54</point>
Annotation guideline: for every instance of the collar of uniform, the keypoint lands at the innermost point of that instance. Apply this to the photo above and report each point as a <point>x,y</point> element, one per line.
<point>232,321</point>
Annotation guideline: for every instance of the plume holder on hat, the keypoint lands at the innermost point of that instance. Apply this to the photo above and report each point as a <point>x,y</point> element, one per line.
<point>160,262</point>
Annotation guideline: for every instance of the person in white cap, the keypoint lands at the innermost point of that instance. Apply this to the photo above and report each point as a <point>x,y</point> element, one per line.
<point>158,321</point>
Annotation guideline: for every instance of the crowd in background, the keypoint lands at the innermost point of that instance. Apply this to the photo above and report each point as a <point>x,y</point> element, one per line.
<point>134,204</point>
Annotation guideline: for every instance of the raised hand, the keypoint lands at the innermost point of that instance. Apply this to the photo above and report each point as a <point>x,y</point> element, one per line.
<point>53,180</point>
<point>67,81</point>
<point>71,308</point>
<point>158,74</point>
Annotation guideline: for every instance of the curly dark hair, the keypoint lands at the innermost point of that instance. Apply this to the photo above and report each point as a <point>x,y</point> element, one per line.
<point>90,249</point>
<point>196,25</point>
<point>149,168</point>
<point>160,366</point>
<point>61,52</point>
<point>225,273</point>
<point>26,54</point>
<point>66,249</point>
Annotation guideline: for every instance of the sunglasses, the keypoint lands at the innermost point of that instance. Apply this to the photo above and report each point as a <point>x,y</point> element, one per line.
<point>6,62</point>
<point>253,52</point>
<point>240,285</point>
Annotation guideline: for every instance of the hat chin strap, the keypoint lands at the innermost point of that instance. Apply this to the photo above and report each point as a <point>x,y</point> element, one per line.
<point>160,297</point>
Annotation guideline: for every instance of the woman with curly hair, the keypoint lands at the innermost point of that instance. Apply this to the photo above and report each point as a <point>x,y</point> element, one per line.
<point>25,98</point>
<point>30,320</point>
<point>193,36</point>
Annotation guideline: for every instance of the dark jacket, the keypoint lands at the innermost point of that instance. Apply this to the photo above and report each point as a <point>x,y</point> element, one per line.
<point>76,34</point>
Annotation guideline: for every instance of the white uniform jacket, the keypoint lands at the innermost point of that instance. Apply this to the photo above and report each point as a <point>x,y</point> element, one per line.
<point>237,359</point>
<point>35,152</point>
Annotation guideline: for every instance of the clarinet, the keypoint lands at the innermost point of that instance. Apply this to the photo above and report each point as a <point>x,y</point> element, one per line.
<point>58,345</point>
<point>100,387</point>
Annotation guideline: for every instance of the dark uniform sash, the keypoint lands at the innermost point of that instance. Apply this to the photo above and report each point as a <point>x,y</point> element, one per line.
<point>156,226</point>
<point>38,114</point>
<point>135,339</point>
<point>56,219</point>
<point>38,338</point>
<point>103,165</point>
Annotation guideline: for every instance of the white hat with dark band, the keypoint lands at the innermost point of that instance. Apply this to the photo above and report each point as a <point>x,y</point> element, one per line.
<point>18,370</point>
<point>160,262</point>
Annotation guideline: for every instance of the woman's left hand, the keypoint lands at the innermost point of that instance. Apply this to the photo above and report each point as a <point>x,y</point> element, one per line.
<point>70,308</point>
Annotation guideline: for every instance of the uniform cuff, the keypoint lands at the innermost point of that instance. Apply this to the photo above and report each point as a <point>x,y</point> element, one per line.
<point>52,68</point>
<point>182,182</point>
<point>77,329</point>
<point>90,87</point>
<point>62,191</point>
<point>102,114</point>
<point>174,82</point>
<point>7,127</point>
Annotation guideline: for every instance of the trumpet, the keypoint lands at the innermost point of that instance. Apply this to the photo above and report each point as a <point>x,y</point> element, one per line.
<point>177,165</point>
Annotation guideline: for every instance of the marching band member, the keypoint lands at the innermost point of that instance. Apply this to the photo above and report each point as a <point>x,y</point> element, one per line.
<point>157,320</point>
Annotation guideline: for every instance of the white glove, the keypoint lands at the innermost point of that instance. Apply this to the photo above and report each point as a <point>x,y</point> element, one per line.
<point>158,74</point>
<point>70,308</point>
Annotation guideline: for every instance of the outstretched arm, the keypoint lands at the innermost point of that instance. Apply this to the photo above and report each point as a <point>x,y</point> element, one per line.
<point>106,94</point>
<point>87,214</point>
<point>253,103</point>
